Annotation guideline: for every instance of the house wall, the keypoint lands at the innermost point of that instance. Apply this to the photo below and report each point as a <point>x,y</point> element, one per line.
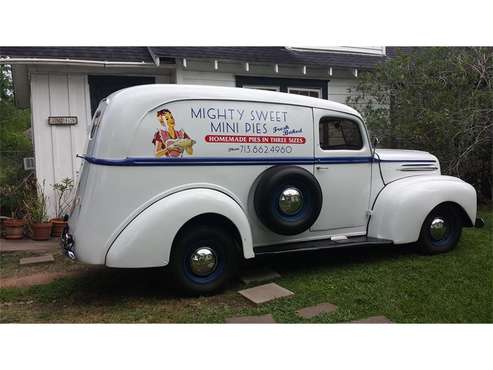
<point>202,73</point>
<point>55,147</point>
<point>205,78</point>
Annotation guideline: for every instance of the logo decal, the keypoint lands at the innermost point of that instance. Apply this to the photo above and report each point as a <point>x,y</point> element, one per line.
<point>169,142</point>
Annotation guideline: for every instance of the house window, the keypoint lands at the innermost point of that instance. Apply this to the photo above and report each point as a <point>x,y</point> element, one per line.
<point>302,86</point>
<point>339,133</point>
<point>314,93</point>
<point>260,87</point>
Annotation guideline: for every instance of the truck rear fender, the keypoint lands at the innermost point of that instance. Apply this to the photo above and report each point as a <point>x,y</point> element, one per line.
<point>147,240</point>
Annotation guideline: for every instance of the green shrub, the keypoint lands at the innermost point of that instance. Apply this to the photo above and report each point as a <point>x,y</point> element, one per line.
<point>435,99</point>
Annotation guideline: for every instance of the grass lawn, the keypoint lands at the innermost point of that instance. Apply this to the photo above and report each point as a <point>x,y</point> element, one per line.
<point>397,282</point>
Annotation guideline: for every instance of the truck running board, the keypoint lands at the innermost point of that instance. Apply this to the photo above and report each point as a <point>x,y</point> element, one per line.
<point>313,245</point>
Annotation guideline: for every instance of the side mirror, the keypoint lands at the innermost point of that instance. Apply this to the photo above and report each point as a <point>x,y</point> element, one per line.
<point>375,143</point>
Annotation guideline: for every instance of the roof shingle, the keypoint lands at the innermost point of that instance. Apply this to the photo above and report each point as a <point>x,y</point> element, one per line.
<point>167,54</point>
<point>272,54</point>
<point>114,54</point>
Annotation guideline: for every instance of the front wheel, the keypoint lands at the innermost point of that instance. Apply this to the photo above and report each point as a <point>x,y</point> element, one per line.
<point>441,230</point>
<point>203,259</point>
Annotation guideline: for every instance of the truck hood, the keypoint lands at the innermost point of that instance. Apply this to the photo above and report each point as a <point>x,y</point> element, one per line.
<point>397,163</point>
<point>403,155</point>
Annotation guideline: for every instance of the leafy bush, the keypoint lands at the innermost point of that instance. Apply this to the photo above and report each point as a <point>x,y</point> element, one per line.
<point>63,192</point>
<point>35,203</point>
<point>439,100</point>
<point>14,146</point>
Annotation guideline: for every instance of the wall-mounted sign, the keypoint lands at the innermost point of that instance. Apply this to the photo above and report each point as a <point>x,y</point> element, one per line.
<point>62,120</point>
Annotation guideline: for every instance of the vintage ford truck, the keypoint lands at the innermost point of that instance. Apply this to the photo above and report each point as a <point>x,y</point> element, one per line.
<point>198,177</point>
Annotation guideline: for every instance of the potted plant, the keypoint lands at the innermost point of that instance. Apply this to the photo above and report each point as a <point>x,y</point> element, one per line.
<point>63,199</point>
<point>13,227</point>
<point>36,207</point>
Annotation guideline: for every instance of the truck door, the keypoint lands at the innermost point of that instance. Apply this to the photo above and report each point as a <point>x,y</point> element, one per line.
<point>343,169</point>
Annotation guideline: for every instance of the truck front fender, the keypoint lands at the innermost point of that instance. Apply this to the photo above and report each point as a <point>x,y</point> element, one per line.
<point>147,239</point>
<point>402,206</point>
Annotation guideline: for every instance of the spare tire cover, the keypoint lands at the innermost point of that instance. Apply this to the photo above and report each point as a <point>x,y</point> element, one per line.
<point>273,186</point>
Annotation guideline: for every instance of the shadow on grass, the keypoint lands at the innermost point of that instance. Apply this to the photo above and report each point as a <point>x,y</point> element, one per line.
<point>110,286</point>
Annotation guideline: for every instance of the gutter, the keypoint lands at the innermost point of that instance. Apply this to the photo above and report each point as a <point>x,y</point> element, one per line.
<point>67,61</point>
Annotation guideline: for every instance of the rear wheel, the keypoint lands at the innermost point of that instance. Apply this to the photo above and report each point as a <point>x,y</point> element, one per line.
<point>203,259</point>
<point>441,230</point>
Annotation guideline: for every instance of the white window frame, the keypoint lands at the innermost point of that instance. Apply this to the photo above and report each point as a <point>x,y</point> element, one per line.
<point>319,91</point>
<point>262,87</point>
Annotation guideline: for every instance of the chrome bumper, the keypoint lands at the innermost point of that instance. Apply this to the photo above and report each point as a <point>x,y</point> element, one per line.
<point>67,244</point>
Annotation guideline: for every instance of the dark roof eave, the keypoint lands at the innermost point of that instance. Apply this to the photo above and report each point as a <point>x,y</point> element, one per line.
<point>272,55</point>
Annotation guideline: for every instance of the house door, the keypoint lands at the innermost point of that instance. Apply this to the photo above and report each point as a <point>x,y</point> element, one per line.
<point>343,169</point>
<point>102,86</point>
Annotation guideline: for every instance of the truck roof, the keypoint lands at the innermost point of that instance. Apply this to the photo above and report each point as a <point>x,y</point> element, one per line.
<point>126,108</point>
<point>157,94</point>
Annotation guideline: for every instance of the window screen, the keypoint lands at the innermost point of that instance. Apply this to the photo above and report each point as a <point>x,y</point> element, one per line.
<point>339,133</point>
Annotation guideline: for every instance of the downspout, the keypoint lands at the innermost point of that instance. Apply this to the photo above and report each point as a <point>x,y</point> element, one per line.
<point>153,55</point>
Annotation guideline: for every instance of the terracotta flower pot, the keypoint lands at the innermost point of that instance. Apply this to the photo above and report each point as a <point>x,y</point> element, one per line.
<point>14,228</point>
<point>41,231</point>
<point>58,225</point>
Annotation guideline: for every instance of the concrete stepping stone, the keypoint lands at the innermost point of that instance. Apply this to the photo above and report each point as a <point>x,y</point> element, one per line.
<point>309,312</point>
<point>262,319</point>
<point>265,293</point>
<point>38,259</point>
<point>373,320</point>
<point>259,275</point>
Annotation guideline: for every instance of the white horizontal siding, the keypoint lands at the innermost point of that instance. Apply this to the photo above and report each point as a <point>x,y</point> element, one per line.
<point>205,78</point>
<point>338,89</point>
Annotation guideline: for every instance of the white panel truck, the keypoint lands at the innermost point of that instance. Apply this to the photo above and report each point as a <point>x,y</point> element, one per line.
<point>198,177</point>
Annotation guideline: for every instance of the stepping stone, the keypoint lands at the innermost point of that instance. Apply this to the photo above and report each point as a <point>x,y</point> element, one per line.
<point>309,312</point>
<point>265,293</point>
<point>263,319</point>
<point>39,259</point>
<point>259,275</point>
<point>373,320</point>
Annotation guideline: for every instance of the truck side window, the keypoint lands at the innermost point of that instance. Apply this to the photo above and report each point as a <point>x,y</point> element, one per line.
<point>339,133</point>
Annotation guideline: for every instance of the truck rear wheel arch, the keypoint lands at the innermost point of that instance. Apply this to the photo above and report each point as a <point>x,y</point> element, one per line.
<point>147,240</point>
<point>213,220</point>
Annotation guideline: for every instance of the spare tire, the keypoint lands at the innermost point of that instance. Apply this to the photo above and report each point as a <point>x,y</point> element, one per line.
<point>288,199</point>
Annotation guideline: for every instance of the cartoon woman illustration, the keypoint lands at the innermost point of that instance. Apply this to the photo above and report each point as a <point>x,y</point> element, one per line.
<point>168,141</point>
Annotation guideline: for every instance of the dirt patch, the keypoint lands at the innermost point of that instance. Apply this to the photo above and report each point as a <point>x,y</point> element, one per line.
<point>36,279</point>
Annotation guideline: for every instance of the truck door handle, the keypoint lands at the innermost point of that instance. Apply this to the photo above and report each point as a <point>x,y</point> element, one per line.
<point>322,167</point>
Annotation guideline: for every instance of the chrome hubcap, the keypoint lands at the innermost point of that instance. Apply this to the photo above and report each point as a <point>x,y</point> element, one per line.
<point>438,229</point>
<point>290,201</point>
<point>203,261</point>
